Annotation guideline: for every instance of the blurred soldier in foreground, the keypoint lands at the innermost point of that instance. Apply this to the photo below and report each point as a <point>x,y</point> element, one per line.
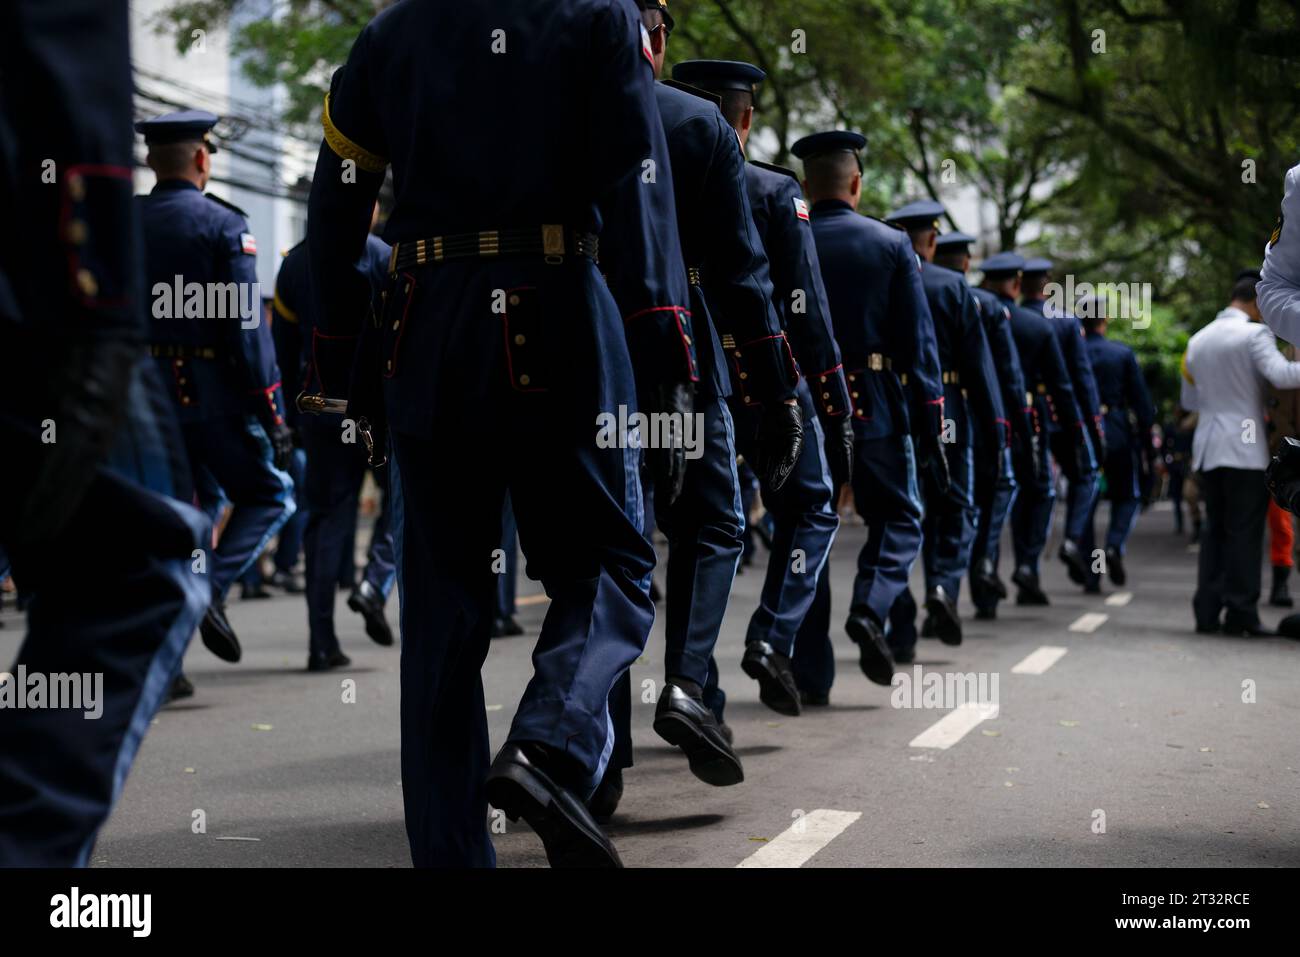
<point>1081,489</point>
<point>497,356</point>
<point>1047,378</point>
<point>336,468</point>
<point>1227,365</point>
<point>886,336</point>
<point>995,467</point>
<point>214,350</point>
<point>972,404</point>
<point>1279,305</point>
<point>803,509</point>
<point>92,480</point>
<point>1127,415</point>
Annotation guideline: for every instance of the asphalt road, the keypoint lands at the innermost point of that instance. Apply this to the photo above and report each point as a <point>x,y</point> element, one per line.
<point>1132,747</point>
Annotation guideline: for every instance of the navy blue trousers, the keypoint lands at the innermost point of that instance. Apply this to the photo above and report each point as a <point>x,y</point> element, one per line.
<point>331,495</point>
<point>129,623</point>
<point>994,499</point>
<point>579,512</point>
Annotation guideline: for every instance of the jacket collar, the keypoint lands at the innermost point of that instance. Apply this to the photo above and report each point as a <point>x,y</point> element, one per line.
<point>1232,313</point>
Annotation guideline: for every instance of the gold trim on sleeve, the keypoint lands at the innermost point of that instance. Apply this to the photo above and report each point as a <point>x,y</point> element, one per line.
<point>346,148</point>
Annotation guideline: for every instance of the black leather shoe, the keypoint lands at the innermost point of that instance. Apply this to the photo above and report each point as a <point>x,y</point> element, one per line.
<point>685,722</point>
<point>366,601</point>
<point>1075,564</point>
<point>1208,628</point>
<point>873,653</point>
<point>771,669</point>
<point>1092,588</point>
<point>726,731</point>
<point>984,578</point>
<point>1235,627</point>
<point>505,627</point>
<point>942,609</point>
<point>287,582</point>
<point>253,592</point>
<point>328,662</point>
<point>1029,592</point>
<point>218,637</point>
<point>815,699</point>
<point>521,784</point>
<point>181,688</point>
<point>903,656</point>
<point>1115,566</point>
<point>986,614</point>
<point>604,802</point>
<point>928,628</point>
<point>1280,595</point>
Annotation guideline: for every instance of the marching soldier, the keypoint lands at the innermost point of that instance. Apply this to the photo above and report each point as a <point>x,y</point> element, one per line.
<point>1127,414</point>
<point>995,471</point>
<point>1048,381</point>
<point>972,404</point>
<point>1081,490</point>
<point>336,468</point>
<point>886,336</point>
<point>742,351</point>
<point>803,509</point>
<point>92,466</point>
<point>497,355</point>
<point>217,354</point>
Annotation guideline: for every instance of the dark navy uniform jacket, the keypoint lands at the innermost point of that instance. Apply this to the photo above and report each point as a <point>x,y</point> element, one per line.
<point>1069,335</point>
<point>1045,371</point>
<point>972,394</point>
<point>878,308</point>
<point>1126,407</point>
<point>784,225</point>
<point>214,365</point>
<point>543,163</point>
<point>1016,401</point>
<point>294,324</point>
<point>745,352</point>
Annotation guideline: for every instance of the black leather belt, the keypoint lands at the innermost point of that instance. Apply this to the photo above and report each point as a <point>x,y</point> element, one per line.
<point>170,350</point>
<point>549,242</point>
<point>878,362</point>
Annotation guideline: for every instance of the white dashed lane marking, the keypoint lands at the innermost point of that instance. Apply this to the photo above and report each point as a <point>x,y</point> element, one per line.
<point>1089,622</point>
<point>804,838</point>
<point>954,725</point>
<point>1040,660</point>
<point>1120,599</point>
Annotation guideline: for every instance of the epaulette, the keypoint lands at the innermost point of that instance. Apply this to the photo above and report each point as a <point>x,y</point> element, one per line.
<point>226,203</point>
<point>775,169</point>
<point>694,91</point>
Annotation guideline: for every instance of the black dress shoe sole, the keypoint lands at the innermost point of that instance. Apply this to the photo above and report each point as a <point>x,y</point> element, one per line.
<point>1075,568</point>
<point>986,614</point>
<point>947,626</point>
<point>376,624</point>
<point>875,664</point>
<point>771,690</point>
<point>1031,598</point>
<point>1116,569</point>
<point>221,643</point>
<point>569,841</point>
<point>713,762</point>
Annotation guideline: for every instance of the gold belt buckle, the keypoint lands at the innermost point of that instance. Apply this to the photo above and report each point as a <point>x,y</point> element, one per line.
<point>553,243</point>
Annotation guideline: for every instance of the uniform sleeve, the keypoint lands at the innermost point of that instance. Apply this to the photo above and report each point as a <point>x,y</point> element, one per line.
<point>798,289</point>
<point>1081,375</point>
<point>1188,396</point>
<point>979,378</point>
<point>349,171</point>
<point>1278,290</point>
<point>1056,376</point>
<point>621,95</point>
<point>642,259</point>
<point>256,347</point>
<point>286,331</point>
<point>914,346</point>
<point>1139,398</point>
<point>1016,400</point>
<point>1270,363</point>
<point>737,278</point>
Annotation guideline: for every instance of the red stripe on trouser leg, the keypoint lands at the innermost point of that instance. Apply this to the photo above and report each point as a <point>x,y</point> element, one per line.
<point>1281,535</point>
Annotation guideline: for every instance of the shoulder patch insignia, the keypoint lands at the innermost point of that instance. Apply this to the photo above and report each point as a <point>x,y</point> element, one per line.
<point>1277,232</point>
<point>248,244</point>
<point>645,45</point>
<point>226,203</point>
<point>801,208</point>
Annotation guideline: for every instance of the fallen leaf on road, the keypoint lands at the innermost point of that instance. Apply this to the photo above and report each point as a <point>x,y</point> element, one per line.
<point>1263,805</point>
<point>1009,784</point>
<point>762,840</point>
<point>262,727</point>
<point>250,839</point>
<point>1068,724</point>
<point>495,707</point>
<point>991,734</point>
<point>189,770</point>
<point>1206,750</point>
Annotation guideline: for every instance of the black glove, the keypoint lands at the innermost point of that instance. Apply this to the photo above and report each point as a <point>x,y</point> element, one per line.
<point>1283,475</point>
<point>780,440</point>
<point>90,387</point>
<point>281,437</point>
<point>1099,443</point>
<point>839,449</point>
<point>668,466</point>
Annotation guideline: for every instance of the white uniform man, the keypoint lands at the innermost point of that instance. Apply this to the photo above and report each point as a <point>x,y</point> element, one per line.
<point>1225,372</point>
